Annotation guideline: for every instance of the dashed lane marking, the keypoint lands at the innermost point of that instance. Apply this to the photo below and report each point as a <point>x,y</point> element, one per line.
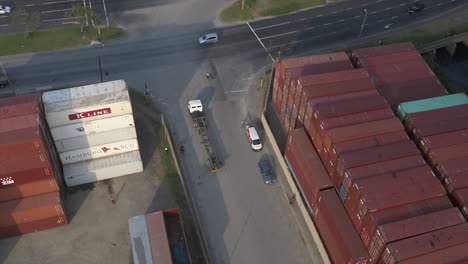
<point>275,25</point>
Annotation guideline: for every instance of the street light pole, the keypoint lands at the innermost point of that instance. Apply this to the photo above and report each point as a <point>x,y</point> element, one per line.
<point>363,22</point>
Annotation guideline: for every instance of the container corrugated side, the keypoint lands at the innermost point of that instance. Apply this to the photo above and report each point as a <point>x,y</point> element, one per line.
<point>331,77</point>
<point>382,50</point>
<point>19,109</point>
<point>108,98</point>
<point>455,254</point>
<point>31,227</point>
<point>141,247</point>
<point>20,122</point>
<point>313,60</point>
<point>80,115</point>
<point>451,167</point>
<point>158,238</point>
<point>25,176</point>
<point>30,209</point>
<point>431,104</point>
<point>13,100</point>
<point>402,250</point>
<point>28,189</point>
<point>23,163</point>
<point>92,127</point>
<point>444,140</point>
<point>104,173</point>
<point>448,153</point>
<point>83,91</point>
<point>106,137</point>
<point>102,163</point>
<point>99,151</point>
<point>440,126</point>
<point>390,58</point>
<point>351,106</point>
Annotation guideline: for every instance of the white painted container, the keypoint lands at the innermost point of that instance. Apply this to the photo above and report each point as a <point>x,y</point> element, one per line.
<point>98,164</point>
<point>81,115</point>
<point>99,151</point>
<point>83,91</point>
<point>141,246</point>
<point>96,100</point>
<point>104,173</point>
<point>92,127</point>
<point>95,139</point>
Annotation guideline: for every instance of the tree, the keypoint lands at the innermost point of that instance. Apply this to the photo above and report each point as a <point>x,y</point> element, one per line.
<point>84,13</point>
<point>31,21</point>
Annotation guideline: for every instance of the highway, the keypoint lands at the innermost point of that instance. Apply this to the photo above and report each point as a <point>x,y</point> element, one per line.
<point>244,220</point>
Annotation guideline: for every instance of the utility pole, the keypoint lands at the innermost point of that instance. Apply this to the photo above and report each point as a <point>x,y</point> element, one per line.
<point>363,22</point>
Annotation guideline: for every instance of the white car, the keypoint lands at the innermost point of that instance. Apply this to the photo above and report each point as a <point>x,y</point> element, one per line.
<point>208,39</point>
<point>5,9</point>
<point>253,138</point>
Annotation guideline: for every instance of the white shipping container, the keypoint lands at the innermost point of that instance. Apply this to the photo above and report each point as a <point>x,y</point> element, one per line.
<point>83,91</point>
<point>96,100</point>
<point>92,127</point>
<point>80,115</point>
<point>97,164</point>
<point>104,174</point>
<point>100,151</point>
<point>95,139</point>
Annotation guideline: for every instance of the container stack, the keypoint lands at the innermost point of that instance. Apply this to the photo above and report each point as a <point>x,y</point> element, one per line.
<point>399,71</point>
<point>31,179</point>
<point>94,131</point>
<point>289,86</point>
<point>440,127</point>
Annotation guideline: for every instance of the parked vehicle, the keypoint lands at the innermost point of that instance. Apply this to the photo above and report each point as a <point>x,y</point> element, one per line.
<point>416,8</point>
<point>208,38</point>
<point>266,172</point>
<point>4,9</point>
<point>4,82</point>
<point>253,138</point>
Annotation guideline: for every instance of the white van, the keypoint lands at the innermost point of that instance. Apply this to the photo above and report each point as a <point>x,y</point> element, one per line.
<point>254,139</point>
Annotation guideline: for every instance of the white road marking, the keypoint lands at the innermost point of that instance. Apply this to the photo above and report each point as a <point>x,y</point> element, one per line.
<point>403,4</point>
<point>372,12</point>
<point>51,11</point>
<point>303,19</point>
<point>334,12</point>
<point>237,91</point>
<point>393,17</point>
<point>4,25</point>
<point>31,5</point>
<point>378,1</point>
<point>310,27</point>
<point>349,8</point>
<point>259,40</point>
<point>326,24</point>
<point>274,36</point>
<point>357,16</point>
<point>380,21</point>
<point>332,33</point>
<point>342,20</point>
<point>387,26</point>
<point>58,2</point>
<point>58,19</point>
<point>3,16</point>
<point>319,15</point>
<point>439,4</point>
<point>275,25</point>
<point>365,5</point>
<point>388,8</point>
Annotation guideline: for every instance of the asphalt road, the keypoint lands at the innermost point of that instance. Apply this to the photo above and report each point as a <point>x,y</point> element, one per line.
<point>245,221</point>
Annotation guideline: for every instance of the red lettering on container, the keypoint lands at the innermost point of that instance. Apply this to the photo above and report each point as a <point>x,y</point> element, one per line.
<point>97,112</point>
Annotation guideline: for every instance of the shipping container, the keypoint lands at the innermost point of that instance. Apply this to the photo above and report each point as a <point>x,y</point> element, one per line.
<point>402,212</point>
<point>31,227</point>
<point>79,115</point>
<point>444,140</point>
<point>413,120</point>
<point>93,127</point>
<point>410,227</point>
<point>23,163</point>
<point>363,157</point>
<point>83,91</point>
<point>307,116</point>
<point>451,152</point>
<point>389,190</point>
<point>431,104</point>
<point>341,76</point>
<point>103,173</point>
<point>386,75</point>
<point>22,142</point>
<point>382,50</point>
<point>389,58</point>
<point>438,127</point>
<point>14,100</point>
<point>25,176</point>
<point>452,167</point>
<point>102,163</point>
<point>336,230</point>
<point>157,235</point>
<point>141,246</point>
<point>20,122</point>
<point>457,181</point>
<point>306,165</point>
<point>452,255</point>
<point>395,165</point>
<point>20,109</point>
<point>461,199</point>
<point>353,132</point>
<point>350,106</point>
<point>28,189</point>
<point>95,139</point>
<point>30,209</point>
<point>310,60</point>
<point>403,250</point>
<point>366,142</point>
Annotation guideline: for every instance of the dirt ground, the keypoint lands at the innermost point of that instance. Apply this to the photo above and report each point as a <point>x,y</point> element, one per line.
<point>98,229</point>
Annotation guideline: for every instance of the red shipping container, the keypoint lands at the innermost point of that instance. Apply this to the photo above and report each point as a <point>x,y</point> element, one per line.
<point>410,227</point>
<point>307,114</point>
<point>398,213</point>
<point>404,250</point>
<point>353,132</point>
<point>366,142</point>
<point>447,168</point>
<point>456,181</point>
<point>306,164</point>
<point>382,50</point>
<point>24,163</point>
<point>384,78</point>
<point>30,209</point>
<point>22,142</point>
<point>390,190</point>
<point>439,127</point>
<point>31,227</point>
<point>19,109</point>
<point>279,98</point>
<point>461,199</point>
<point>25,176</point>
<point>447,113</point>
<point>19,122</point>
<point>28,189</point>
<point>444,140</point>
<point>338,234</point>
<point>452,255</point>
<point>388,166</point>
<point>351,106</point>
<point>314,59</point>
<point>14,100</point>
<point>363,157</point>
<point>390,58</point>
<point>451,152</point>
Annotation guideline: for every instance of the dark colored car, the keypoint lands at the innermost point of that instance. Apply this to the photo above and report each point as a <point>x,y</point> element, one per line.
<point>3,80</point>
<point>415,8</point>
<point>265,169</point>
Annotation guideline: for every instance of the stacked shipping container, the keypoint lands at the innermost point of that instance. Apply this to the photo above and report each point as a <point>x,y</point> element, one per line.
<point>352,148</point>
<point>94,131</point>
<point>31,177</point>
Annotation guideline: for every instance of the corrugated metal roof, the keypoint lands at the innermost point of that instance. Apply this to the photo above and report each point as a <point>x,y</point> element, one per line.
<point>140,241</point>
<point>431,104</point>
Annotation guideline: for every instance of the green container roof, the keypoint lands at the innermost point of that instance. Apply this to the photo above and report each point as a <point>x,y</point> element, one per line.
<point>433,103</point>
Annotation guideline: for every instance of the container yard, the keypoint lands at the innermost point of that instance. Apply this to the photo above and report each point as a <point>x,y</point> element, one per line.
<point>378,153</point>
